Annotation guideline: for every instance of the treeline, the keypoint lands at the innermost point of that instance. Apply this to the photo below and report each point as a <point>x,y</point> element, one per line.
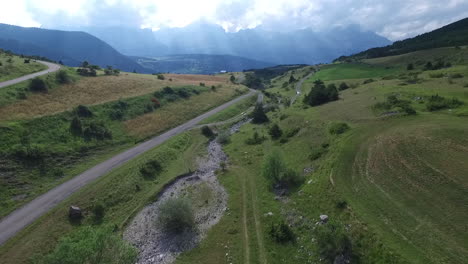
<point>258,78</point>
<point>455,34</point>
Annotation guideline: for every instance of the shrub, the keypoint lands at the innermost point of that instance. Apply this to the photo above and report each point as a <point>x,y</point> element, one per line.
<point>27,61</point>
<point>332,241</point>
<point>91,245</point>
<point>343,86</point>
<point>456,76</point>
<point>176,215</point>
<point>338,128</point>
<point>38,85</point>
<point>161,77</point>
<point>232,79</point>
<point>275,132</point>
<point>116,114</point>
<point>410,67</point>
<point>273,167</point>
<point>62,77</point>
<point>317,153</point>
<point>281,232</point>
<point>151,169</point>
<point>368,81</point>
<point>255,139</point>
<point>408,109</point>
<point>76,128</point>
<point>97,131</point>
<point>98,211</point>
<point>207,132</point>
<point>436,102</point>
<point>202,84</point>
<point>224,137</point>
<point>436,75</point>
<point>83,111</point>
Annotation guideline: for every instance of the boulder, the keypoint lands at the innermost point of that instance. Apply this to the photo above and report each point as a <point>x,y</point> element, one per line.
<point>75,212</point>
<point>323,218</point>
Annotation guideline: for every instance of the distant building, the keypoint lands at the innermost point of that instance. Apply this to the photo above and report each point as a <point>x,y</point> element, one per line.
<point>223,71</point>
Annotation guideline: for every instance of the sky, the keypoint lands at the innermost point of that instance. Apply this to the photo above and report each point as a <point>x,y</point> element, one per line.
<point>394,19</point>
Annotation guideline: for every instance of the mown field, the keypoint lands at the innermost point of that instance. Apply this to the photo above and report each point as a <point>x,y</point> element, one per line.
<point>12,66</point>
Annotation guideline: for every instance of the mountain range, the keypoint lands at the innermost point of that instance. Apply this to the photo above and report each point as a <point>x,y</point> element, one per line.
<point>299,46</point>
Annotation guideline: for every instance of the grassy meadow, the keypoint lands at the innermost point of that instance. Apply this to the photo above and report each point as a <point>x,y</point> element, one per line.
<point>392,179</point>
<point>39,150</point>
<point>12,66</point>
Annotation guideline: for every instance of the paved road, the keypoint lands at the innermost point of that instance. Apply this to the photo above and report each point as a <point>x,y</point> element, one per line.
<point>52,67</point>
<point>299,86</point>
<point>25,215</point>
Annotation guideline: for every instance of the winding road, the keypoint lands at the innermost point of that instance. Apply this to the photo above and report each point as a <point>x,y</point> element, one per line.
<point>299,86</point>
<point>52,67</point>
<point>22,217</point>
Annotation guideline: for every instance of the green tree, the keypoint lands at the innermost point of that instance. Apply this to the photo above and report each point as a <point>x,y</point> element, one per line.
<point>259,115</point>
<point>62,77</point>
<point>275,132</point>
<point>232,79</point>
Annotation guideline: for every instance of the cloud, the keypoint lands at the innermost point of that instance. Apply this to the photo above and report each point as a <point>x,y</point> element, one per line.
<point>394,19</point>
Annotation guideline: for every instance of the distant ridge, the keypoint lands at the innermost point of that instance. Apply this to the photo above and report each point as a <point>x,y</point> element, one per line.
<point>199,63</point>
<point>70,47</point>
<point>455,34</point>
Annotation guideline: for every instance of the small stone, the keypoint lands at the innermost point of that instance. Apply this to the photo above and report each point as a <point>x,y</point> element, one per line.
<point>323,218</point>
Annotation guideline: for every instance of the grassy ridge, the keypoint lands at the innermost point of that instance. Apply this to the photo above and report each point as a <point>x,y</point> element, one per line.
<point>12,67</point>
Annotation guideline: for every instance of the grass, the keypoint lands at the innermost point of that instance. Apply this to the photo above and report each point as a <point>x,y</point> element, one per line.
<point>395,186</point>
<point>17,68</point>
<point>116,191</point>
<point>232,111</point>
<point>66,156</point>
<point>95,90</point>
<point>351,71</point>
<point>415,167</point>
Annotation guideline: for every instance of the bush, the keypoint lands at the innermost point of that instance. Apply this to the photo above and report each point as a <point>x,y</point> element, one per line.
<point>343,86</point>
<point>62,77</point>
<point>436,102</point>
<point>368,81</point>
<point>282,233</point>
<point>436,75</point>
<point>332,241</point>
<point>410,67</point>
<point>202,84</point>
<point>38,85</point>
<point>255,139</point>
<point>76,128</point>
<point>456,76</point>
<point>83,111</point>
<point>176,215</point>
<point>224,137</point>
<point>91,245</point>
<point>275,132</point>
<point>274,170</point>
<point>207,132</point>
<point>161,77</point>
<point>97,131</point>
<point>151,169</point>
<point>98,211</point>
<point>338,128</point>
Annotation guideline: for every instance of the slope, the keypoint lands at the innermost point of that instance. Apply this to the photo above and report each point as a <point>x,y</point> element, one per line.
<point>455,34</point>
<point>69,47</point>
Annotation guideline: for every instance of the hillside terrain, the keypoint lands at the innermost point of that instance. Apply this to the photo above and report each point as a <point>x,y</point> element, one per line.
<point>70,48</point>
<point>359,161</point>
<point>452,35</point>
<point>199,63</point>
<point>12,66</point>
